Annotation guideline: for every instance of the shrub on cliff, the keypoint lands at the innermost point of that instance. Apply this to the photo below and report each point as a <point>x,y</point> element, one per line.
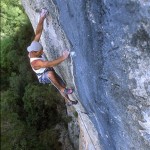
<point>28,110</point>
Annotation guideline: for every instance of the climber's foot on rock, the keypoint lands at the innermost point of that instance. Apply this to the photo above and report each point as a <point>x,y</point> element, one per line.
<point>67,100</point>
<point>70,103</point>
<point>68,91</point>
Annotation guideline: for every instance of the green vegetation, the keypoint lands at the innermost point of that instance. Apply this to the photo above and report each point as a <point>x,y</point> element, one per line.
<point>29,111</point>
<point>76,114</point>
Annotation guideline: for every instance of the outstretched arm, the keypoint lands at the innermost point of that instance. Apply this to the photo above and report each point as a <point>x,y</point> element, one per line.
<point>37,64</point>
<point>39,29</point>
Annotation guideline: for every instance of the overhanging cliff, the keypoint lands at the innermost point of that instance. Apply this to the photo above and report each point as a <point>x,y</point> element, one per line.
<point>110,69</point>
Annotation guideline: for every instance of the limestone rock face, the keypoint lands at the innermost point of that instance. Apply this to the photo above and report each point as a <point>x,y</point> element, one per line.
<point>110,68</point>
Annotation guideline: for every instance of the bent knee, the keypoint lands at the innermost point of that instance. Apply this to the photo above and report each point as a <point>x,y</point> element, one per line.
<point>50,74</point>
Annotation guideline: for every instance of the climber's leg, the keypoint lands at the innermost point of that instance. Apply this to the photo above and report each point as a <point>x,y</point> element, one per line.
<point>62,89</point>
<point>59,79</point>
<point>51,77</point>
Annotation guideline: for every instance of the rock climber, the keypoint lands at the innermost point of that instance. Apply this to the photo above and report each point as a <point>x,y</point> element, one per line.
<point>43,68</point>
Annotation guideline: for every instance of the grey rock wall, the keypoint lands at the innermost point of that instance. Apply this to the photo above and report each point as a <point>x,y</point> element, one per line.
<point>111,66</point>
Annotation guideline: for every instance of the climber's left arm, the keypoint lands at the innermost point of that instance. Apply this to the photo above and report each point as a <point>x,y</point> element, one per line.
<point>39,29</point>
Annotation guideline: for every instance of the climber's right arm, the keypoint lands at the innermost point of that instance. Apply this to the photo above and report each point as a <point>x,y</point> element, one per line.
<point>37,64</point>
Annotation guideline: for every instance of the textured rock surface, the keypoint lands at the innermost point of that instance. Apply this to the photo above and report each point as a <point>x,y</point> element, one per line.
<point>110,69</point>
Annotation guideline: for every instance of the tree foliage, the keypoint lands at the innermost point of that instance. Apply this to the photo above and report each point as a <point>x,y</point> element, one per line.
<point>29,111</point>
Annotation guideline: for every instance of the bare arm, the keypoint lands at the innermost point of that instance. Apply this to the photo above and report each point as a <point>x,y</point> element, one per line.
<point>39,29</point>
<point>37,64</point>
<point>46,64</point>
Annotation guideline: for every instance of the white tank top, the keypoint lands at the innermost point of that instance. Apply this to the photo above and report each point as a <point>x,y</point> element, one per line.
<point>38,71</point>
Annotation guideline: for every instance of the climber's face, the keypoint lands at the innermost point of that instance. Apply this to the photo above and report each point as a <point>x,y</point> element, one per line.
<point>39,53</point>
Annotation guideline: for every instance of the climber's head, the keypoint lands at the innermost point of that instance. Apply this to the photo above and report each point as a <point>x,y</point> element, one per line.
<point>34,46</point>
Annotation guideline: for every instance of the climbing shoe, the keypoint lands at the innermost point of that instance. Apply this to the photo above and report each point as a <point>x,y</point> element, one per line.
<point>68,91</point>
<point>70,103</point>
